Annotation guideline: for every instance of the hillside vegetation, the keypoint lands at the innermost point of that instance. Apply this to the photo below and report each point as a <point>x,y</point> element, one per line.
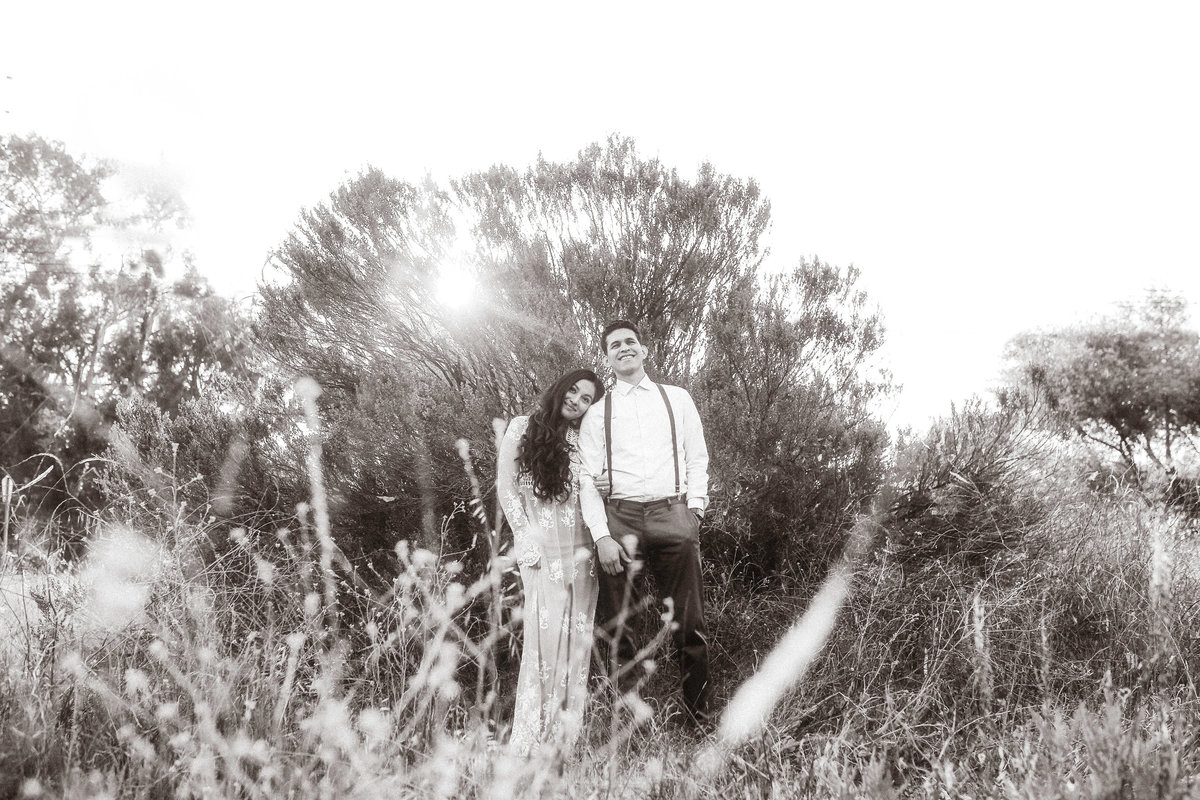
<point>253,552</point>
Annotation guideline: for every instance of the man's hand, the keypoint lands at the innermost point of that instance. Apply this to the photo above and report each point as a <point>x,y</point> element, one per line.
<point>612,555</point>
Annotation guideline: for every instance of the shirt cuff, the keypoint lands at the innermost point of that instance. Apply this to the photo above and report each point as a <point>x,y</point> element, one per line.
<point>697,504</point>
<point>599,534</point>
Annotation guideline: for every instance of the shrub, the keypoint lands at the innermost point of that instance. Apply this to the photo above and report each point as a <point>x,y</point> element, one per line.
<point>787,392</point>
<point>212,461</point>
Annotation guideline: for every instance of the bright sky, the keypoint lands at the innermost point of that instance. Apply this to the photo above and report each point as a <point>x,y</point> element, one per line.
<point>989,168</point>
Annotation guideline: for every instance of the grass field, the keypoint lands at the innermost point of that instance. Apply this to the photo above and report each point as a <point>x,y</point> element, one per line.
<point>158,667</point>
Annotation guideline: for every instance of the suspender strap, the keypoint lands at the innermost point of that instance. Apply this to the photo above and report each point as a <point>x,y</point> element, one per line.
<point>608,438</point>
<point>674,441</point>
<point>674,438</point>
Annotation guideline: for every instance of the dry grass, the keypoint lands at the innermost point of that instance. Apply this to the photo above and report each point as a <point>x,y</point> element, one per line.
<point>272,670</point>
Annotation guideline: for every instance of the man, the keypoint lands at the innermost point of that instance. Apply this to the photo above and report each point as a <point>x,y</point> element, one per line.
<point>645,441</point>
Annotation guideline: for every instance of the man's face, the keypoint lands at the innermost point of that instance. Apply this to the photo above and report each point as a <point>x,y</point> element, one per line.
<point>624,352</point>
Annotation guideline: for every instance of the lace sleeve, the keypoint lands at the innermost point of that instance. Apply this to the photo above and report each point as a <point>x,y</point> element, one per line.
<point>508,490</point>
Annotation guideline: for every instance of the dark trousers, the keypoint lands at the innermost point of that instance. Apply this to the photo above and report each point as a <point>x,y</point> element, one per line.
<point>666,532</point>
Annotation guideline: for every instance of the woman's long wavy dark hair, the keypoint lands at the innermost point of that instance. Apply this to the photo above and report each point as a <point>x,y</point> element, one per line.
<point>544,454</point>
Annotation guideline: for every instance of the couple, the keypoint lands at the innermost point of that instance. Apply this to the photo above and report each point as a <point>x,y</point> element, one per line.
<point>643,446</point>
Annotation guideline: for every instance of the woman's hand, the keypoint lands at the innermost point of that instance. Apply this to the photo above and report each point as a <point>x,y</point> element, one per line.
<point>603,484</point>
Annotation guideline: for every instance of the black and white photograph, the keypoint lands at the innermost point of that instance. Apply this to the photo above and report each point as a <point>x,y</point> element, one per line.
<point>634,400</point>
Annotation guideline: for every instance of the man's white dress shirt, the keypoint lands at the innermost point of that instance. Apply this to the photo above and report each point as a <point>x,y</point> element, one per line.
<point>642,468</point>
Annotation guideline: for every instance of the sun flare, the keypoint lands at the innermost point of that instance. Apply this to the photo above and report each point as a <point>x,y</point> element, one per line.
<point>456,286</point>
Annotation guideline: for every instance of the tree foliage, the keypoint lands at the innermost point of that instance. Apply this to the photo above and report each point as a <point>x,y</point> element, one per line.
<point>425,312</point>
<point>618,235</point>
<point>968,491</point>
<point>551,252</point>
<point>789,387</point>
<point>47,197</point>
<point>359,311</point>
<point>83,328</point>
<point>201,461</point>
<point>1130,384</point>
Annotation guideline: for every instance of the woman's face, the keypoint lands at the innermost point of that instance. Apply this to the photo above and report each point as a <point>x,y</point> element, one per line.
<point>578,399</point>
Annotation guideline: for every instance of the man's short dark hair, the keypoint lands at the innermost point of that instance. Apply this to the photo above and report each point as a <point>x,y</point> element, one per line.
<point>618,325</point>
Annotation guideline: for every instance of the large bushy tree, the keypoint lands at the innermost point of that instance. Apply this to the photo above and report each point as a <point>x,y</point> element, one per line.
<point>616,234</point>
<point>552,252</point>
<point>781,367</point>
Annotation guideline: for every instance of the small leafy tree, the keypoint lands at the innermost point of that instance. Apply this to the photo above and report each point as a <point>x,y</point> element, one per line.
<point>81,329</point>
<point>47,198</point>
<point>48,202</point>
<point>1129,384</point>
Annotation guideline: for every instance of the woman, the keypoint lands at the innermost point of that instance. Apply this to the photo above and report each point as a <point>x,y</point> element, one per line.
<point>538,486</point>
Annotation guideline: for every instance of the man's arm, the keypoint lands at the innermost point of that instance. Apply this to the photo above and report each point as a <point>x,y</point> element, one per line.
<point>611,554</point>
<point>591,453</point>
<point>695,455</point>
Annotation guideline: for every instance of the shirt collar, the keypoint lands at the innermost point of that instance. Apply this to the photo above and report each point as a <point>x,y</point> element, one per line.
<point>625,389</point>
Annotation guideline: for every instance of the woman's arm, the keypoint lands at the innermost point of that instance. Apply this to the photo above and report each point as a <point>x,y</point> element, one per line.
<point>508,490</point>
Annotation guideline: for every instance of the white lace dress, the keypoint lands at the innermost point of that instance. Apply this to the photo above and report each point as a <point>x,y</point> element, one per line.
<point>558,572</point>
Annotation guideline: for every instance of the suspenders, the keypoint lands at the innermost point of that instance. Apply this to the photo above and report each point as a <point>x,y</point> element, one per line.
<point>674,440</point>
